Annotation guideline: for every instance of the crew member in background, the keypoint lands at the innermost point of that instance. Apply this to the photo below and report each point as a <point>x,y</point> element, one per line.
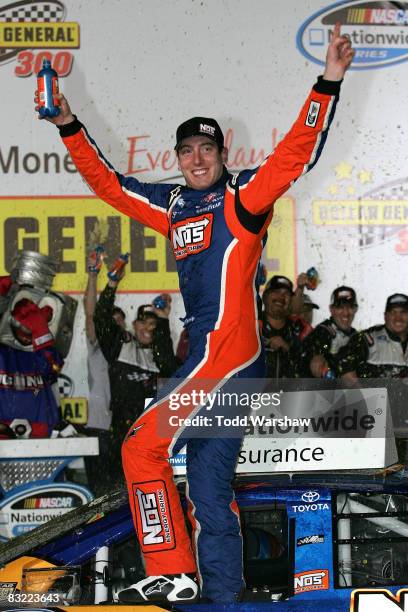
<point>308,308</point>
<point>99,412</point>
<point>135,361</point>
<point>380,351</point>
<point>282,333</point>
<point>320,348</point>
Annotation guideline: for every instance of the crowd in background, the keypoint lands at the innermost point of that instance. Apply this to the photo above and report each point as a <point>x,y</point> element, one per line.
<point>125,361</point>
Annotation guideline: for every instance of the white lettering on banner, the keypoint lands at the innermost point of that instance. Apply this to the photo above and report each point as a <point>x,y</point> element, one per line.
<point>379,600</point>
<point>149,513</point>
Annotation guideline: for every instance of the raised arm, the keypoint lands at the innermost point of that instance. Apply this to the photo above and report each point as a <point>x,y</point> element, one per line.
<point>145,202</point>
<point>299,151</point>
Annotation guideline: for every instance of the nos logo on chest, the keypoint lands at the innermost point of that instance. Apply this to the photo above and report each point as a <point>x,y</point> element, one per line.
<point>191,235</point>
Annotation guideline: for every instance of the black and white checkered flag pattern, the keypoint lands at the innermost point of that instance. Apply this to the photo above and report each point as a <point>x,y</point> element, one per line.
<point>30,10</point>
<point>65,386</point>
<point>372,235</point>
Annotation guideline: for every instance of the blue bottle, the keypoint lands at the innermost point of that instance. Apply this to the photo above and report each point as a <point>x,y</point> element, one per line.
<point>159,302</point>
<point>47,85</point>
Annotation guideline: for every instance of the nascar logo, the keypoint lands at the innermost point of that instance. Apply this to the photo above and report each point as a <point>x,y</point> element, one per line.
<point>48,502</point>
<point>376,29</point>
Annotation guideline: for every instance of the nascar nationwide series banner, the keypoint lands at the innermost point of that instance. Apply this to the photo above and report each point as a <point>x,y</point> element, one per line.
<point>147,67</point>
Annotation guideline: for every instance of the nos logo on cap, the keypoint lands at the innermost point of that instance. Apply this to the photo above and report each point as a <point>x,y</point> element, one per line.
<point>207,129</point>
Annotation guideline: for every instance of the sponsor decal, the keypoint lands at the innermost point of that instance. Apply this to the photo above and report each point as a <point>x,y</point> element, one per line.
<point>312,114</point>
<point>156,587</point>
<point>192,235</point>
<point>310,496</point>
<point>310,539</point>
<point>309,507</point>
<point>29,28</point>
<point>207,129</point>
<point>315,580</point>
<point>25,511</point>
<point>378,600</point>
<point>48,502</point>
<point>377,29</point>
<point>153,516</point>
<point>210,197</point>
<point>369,217</point>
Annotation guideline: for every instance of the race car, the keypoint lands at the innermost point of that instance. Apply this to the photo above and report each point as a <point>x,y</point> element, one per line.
<point>328,542</point>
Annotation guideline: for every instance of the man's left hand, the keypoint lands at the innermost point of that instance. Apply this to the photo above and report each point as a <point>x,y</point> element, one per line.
<point>339,55</point>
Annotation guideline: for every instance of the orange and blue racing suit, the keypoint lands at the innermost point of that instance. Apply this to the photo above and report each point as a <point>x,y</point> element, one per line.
<point>217,237</point>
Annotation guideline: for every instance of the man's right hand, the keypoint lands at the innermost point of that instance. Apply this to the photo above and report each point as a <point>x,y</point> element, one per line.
<point>65,115</point>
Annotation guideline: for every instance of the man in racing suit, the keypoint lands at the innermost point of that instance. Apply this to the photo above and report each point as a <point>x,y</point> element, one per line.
<point>216,224</point>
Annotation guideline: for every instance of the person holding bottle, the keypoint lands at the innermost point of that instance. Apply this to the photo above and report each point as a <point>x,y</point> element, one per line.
<point>216,224</point>
<point>135,360</point>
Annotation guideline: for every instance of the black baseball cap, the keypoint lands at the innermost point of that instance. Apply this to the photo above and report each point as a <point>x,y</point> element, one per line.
<point>307,301</point>
<point>144,312</point>
<point>343,295</point>
<point>397,300</point>
<point>279,282</point>
<point>200,126</point>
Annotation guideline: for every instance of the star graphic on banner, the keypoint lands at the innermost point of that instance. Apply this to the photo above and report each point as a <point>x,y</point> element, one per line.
<point>333,189</point>
<point>351,190</point>
<point>343,170</point>
<point>365,176</point>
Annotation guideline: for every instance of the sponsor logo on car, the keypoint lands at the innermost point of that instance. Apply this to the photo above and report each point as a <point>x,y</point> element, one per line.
<point>310,539</point>
<point>315,580</point>
<point>310,496</point>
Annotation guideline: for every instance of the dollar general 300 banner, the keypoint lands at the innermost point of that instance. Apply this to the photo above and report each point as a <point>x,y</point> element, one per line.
<point>67,228</point>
